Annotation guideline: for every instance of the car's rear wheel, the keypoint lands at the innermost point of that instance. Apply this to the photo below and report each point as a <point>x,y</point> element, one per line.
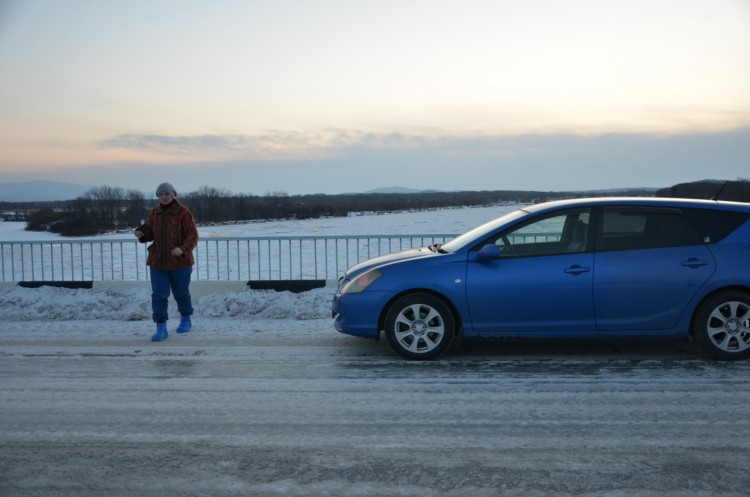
<point>722,326</point>
<point>419,326</point>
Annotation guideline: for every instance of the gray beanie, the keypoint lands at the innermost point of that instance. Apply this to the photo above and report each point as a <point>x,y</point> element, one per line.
<point>166,187</point>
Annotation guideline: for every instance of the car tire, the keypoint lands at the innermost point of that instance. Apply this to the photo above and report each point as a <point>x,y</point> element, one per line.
<point>722,326</point>
<point>419,326</point>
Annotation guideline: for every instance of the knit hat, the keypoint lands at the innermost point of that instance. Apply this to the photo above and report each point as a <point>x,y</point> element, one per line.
<point>166,187</point>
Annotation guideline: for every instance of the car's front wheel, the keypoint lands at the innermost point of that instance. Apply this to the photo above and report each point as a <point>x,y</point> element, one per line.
<point>419,326</point>
<point>722,326</point>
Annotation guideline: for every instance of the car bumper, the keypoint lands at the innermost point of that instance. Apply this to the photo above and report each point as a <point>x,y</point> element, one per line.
<point>358,314</point>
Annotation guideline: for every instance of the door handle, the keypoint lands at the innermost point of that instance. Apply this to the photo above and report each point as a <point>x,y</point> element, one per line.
<point>576,269</point>
<point>693,262</point>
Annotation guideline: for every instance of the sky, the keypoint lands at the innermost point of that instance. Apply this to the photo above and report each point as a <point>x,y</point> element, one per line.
<point>325,96</point>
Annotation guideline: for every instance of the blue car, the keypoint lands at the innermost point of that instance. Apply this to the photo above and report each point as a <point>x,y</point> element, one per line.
<point>600,267</point>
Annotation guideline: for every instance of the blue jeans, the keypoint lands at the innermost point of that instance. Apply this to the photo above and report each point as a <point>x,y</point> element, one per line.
<point>176,280</point>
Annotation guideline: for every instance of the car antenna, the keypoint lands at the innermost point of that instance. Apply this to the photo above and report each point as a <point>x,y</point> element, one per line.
<point>716,196</point>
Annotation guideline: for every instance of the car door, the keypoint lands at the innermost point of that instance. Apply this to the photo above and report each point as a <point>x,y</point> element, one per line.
<point>650,263</point>
<point>540,282</point>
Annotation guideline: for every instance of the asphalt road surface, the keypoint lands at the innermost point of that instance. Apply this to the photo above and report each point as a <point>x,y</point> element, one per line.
<point>291,408</point>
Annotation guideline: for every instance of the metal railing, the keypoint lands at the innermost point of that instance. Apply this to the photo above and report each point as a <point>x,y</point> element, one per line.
<point>217,259</point>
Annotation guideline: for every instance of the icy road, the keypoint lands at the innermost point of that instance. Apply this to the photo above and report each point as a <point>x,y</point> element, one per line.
<point>283,407</point>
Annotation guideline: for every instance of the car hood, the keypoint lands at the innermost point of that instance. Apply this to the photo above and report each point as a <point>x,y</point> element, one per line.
<point>404,255</point>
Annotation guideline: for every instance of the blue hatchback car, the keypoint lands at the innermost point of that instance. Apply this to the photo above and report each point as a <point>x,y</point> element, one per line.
<point>601,267</point>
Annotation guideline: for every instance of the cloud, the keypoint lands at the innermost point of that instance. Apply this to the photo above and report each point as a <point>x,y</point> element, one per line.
<point>301,145</point>
<point>206,144</point>
<point>336,161</point>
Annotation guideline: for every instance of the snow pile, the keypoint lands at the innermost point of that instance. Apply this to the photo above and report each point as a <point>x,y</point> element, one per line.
<point>63,304</point>
<point>313,304</point>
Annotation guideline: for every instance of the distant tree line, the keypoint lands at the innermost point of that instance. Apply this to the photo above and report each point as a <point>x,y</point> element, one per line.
<point>100,209</point>
<point>106,209</point>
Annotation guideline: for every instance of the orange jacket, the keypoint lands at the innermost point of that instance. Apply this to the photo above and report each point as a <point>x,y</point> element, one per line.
<point>169,228</point>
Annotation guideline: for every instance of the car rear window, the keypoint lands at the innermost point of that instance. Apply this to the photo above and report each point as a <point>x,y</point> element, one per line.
<point>714,225</point>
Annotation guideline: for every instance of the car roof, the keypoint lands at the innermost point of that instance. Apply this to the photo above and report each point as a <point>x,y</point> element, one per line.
<point>639,201</point>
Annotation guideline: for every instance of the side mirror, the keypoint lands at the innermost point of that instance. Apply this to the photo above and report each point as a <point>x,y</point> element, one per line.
<point>488,253</point>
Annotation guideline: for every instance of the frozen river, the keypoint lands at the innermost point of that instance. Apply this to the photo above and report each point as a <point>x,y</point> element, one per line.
<point>452,220</point>
<point>284,407</point>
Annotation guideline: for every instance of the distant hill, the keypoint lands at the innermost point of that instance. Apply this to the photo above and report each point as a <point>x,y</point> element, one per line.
<point>53,191</point>
<point>40,191</point>
<point>624,191</point>
<point>400,189</point>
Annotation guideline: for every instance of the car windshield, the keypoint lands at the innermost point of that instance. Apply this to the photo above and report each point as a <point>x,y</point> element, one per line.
<point>482,231</point>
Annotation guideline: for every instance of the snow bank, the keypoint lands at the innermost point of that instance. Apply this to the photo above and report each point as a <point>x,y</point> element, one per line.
<point>53,303</point>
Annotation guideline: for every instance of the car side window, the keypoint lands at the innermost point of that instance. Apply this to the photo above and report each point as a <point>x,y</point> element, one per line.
<point>565,232</point>
<point>634,228</point>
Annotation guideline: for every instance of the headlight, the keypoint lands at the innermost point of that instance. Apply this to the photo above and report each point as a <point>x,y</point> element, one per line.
<point>362,281</point>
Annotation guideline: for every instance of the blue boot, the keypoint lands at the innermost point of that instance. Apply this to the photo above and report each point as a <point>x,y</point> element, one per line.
<point>161,332</point>
<point>185,324</point>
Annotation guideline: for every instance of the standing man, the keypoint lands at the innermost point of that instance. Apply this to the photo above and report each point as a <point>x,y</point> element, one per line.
<point>171,228</point>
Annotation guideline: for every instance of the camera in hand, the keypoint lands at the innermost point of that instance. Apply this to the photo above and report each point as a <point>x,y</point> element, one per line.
<point>146,232</point>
